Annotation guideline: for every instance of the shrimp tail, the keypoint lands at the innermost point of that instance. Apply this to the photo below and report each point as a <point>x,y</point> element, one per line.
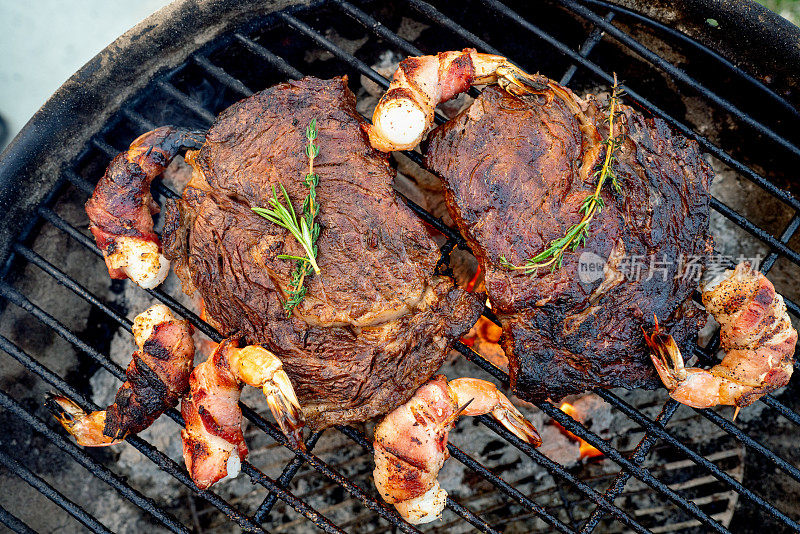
<point>516,423</point>
<point>666,357</point>
<point>86,427</point>
<point>285,407</point>
<point>256,366</point>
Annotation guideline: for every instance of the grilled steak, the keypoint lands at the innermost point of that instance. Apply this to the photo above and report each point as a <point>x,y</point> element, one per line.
<point>376,323</point>
<point>512,173</point>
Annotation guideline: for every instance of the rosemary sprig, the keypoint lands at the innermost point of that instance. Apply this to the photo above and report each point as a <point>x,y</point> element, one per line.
<point>286,217</point>
<point>553,255</point>
<point>304,229</point>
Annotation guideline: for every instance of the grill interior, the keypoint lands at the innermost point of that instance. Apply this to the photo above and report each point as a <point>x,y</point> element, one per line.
<point>64,320</point>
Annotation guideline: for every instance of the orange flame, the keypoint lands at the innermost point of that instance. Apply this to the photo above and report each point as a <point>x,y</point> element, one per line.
<point>471,284</point>
<point>203,315</point>
<point>483,338</point>
<point>586,449</point>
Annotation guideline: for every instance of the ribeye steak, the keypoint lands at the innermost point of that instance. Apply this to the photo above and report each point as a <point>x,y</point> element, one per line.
<point>376,323</point>
<point>511,168</point>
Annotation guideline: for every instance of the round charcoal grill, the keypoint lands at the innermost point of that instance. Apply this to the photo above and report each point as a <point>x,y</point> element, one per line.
<point>724,75</point>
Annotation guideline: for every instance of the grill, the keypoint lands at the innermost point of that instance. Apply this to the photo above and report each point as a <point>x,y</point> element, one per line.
<point>653,478</point>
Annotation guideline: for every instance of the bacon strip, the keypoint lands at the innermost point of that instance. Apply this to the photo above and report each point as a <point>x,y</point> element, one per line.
<point>157,377</point>
<point>213,420</point>
<point>121,208</point>
<point>411,443</point>
<point>756,334</point>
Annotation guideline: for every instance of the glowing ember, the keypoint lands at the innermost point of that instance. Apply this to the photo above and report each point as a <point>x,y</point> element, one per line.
<point>586,449</point>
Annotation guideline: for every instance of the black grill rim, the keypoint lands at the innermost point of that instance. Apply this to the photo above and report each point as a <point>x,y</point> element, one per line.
<point>630,466</point>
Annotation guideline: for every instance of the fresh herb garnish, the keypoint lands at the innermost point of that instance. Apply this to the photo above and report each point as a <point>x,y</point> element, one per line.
<point>553,255</point>
<point>304,229</point>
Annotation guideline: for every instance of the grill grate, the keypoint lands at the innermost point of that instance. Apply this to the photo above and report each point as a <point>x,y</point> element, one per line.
<point>192,108</point>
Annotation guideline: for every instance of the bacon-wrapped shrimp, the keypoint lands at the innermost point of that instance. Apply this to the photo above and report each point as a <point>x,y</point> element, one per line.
<point>158,376</point>
<point>213,421</point>
<point>121,208</point>
<point>405,111</point>
<point>756,335</point>
<point>213,417</point>
<point>411,441</point>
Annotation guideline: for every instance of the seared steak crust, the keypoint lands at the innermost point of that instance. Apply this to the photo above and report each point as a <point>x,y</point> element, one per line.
<point>376,323</point>
<point>511,171</point>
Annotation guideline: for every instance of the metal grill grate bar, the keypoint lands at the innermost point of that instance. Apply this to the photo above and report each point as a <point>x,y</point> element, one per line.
<point>286,476</point>
<point>638,457</point>
<point>436,16</point>
<point>658,431</point>
<point>279,63</point>
<point>186,101</point>
<point>788,233</point>
<point>88,244</point>
<point>319,39</point>
<point>142,123</point>
<point>557,469</point>
<point>79,182</point>
<point>506,488</point>
<point>775,404</point>
<point>698,46</point>
<point>354,489</point>
<point>735,431</point>
<point>599,443</point>
<point>377,28</point>
<point>51,493</point>
<point>221,75</point>
<point>586,48</point>
<point>754,230</point>
<point>14,523</point>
